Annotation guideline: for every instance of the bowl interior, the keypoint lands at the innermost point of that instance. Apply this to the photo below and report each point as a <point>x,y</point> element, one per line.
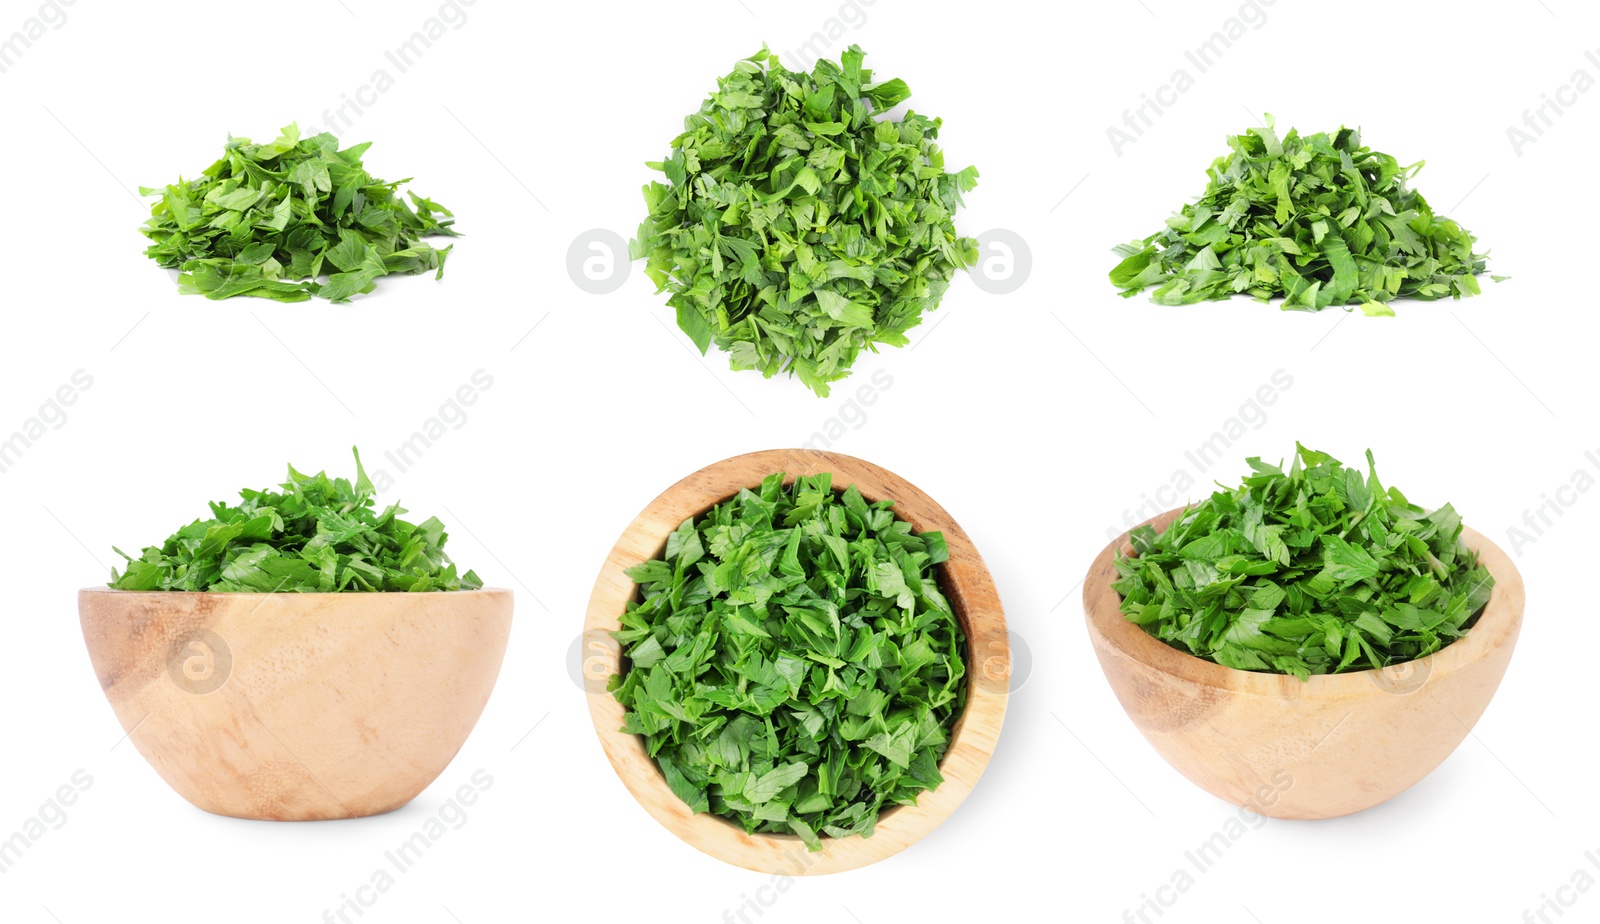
<point>944,587</point>
<point>963,579</point>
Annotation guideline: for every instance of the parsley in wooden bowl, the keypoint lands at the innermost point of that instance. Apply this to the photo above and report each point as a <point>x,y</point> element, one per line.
<point>1307,645</point>
<point>793,686</point>
<point>300,655</point>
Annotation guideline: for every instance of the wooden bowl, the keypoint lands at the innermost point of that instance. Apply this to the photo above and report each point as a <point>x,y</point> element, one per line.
<point>965,581</point>
<point>1329,746</point>
<point>297,707</point>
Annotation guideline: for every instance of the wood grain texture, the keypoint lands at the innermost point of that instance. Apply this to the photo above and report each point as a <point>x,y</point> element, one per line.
<point>966,583</point>
<point>297,707</point>
<point>1321,748</point>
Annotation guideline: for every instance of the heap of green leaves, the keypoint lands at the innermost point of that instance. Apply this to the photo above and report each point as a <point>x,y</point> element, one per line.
<point>1314,571</point>
<point>267,220</point>
<point>1319,220</point>
<point>797,229</point>
<point>319,535</point>
<point>793,665</point>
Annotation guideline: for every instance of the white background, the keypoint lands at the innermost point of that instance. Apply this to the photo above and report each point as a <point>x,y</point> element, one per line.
<point>1037,418</point>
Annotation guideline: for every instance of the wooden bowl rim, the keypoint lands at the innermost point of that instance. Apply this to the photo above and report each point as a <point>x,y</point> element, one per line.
<point>1498,625</point>
<point>972,740</point>
<point>293,594</point>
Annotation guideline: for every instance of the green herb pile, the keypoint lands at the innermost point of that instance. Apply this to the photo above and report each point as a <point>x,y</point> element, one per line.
<point>1313,571</point>
<point>319,535</point>
<point>1319,220</point>
<point>797,229</point>
<point>793,664</point>
<point>267,220</point>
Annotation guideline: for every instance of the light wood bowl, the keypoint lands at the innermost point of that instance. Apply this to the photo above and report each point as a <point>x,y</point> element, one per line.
<point>965,581</point>
<point>297,707</point>
<point>1329,746</point>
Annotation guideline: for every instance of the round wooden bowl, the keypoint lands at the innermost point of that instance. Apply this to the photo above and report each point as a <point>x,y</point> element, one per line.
<point>1328,746</point>
<point>297,707</point>
<point>966,583</point>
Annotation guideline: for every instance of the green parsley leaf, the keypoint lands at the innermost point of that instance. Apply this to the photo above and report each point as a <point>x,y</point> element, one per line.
<point>1312,571</point>
<point>319,535</point>
<point>792,664</point>
<point>800,225</point>
<point>1319,220</point>
<point>268,220</point>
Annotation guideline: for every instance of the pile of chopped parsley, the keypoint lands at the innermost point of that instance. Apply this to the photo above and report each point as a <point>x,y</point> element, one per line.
<point>1318,220</point>
<point>318,535</point>
<point>799,225</point>
<point>1316,570</point>
<point>269,220</point>
<point>791,661</point>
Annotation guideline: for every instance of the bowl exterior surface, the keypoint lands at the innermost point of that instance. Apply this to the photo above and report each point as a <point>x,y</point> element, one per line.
<point>297,706</point>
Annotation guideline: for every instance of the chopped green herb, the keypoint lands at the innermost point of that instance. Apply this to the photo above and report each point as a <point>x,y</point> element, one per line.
<point>1314,571</point>
<point>267,220</point>
<point>1319,220</point>
<point>792,663</point>
<point>796,227</point>
<point>319,535</point>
